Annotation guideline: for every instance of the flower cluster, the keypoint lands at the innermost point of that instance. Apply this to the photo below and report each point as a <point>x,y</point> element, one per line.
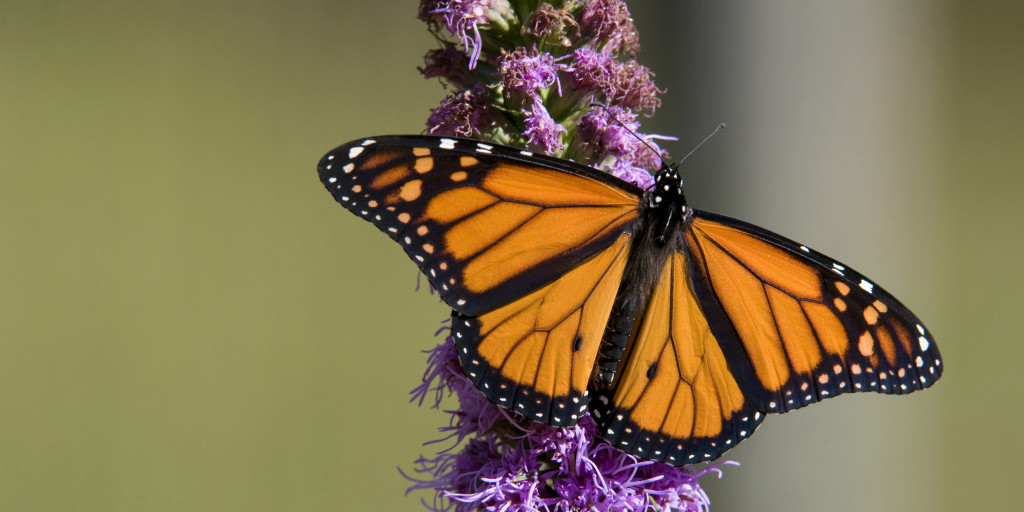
<point>530,75</point>
<point>500,461</point>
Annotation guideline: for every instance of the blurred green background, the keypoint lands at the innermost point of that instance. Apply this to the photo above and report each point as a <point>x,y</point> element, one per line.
<point>189,322</point>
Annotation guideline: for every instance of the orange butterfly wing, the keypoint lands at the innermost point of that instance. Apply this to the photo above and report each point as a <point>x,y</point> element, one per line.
<point>528,250</point>
<point>675,399</point>
<point>745,322</point>
<point>487,224</point>
<point>810,327</point>
<point>536,355</point>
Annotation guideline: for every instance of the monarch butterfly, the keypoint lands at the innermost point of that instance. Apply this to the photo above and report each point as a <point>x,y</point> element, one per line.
<point>679,329</point>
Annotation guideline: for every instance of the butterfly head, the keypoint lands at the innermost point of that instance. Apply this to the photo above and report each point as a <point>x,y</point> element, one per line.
<point>666,202</point>
<point>667,192</point>
<point>667,195</point>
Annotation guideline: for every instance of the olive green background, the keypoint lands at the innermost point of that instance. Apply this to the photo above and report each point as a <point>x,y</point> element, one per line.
<point>189,322</point>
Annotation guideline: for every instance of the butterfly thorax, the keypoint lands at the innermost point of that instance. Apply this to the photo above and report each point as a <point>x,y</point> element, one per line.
<point>658,231</point>
<point>666,202</point>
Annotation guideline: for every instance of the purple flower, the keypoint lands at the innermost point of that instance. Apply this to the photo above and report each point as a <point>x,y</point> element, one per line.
<point>625,84</point>
<point>650,155</point>
<point>590,69</point>
<point>552,26</point>
<point>619,139</point>
<point>461,17</point>
<point>463,113</point>
<point>626,171</point>
<point>528,71</point>
<point>632,86</point>
<point>520,52</point>
<point>609,22</point>
<point>448,65</point>
<point>541,130</point>
<point>501,461</point>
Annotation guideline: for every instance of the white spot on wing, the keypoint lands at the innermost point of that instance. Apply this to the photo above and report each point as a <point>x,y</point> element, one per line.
<point>447,144</point>
<point>354,152</point>
<point>867,286</point>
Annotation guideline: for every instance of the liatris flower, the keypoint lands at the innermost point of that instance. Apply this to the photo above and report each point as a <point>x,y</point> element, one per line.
<point>528,75</point>
<point>466,113</point>
<point>612,132</point>
<point>608,21</point>
<point>500,461</point>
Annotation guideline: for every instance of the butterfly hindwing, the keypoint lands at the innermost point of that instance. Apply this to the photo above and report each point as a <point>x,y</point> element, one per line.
<point>536,355</point>
<point>473,215</point>
<point>675,398</point>
<point>810,327</point>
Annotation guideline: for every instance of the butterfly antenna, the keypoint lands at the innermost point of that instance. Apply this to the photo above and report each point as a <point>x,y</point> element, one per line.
<point>631,132</point>
<point>721,126</point>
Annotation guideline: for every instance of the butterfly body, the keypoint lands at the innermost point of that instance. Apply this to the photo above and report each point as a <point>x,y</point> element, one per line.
<point>661,219</point>
<point>571,290</point>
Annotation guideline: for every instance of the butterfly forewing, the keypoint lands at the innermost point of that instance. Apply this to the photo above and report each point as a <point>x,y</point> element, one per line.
<point>485,223</point>
<point>810,327</point>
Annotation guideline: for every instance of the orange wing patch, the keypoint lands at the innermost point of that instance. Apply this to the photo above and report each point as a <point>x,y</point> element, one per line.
<point>536,354</point>
<point>675,399</point>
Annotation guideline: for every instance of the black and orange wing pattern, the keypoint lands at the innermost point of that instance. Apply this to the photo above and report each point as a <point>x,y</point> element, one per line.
<point>745,322</point>
<point>536,355</point>
<point>534,254</point>
<point>813,328</point>
<point>676,399</point>
<point>530,270</point>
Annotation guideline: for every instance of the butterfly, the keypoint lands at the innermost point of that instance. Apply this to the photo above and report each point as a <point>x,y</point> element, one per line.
<point>572,290</point>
